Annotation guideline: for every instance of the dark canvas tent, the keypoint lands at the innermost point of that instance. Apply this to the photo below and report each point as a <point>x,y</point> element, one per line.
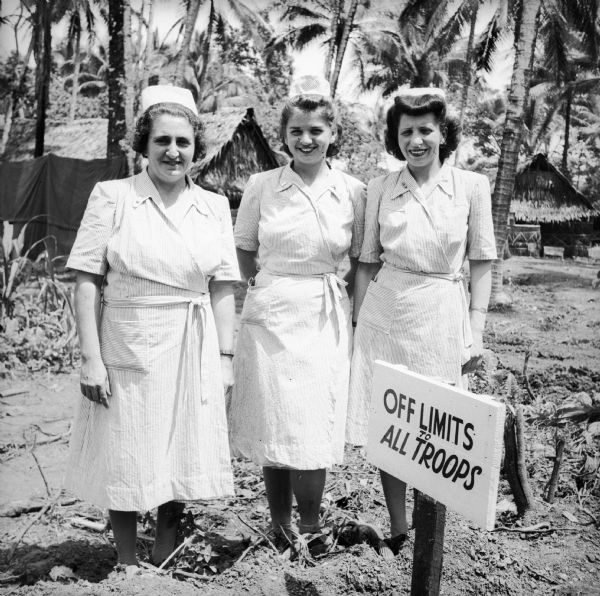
<point>54,190</point>
<point>544,196</point>
<point>56,187</point>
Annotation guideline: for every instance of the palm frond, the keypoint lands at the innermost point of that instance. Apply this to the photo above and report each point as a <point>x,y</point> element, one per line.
<point>487,45</point>
<point>298,11</point>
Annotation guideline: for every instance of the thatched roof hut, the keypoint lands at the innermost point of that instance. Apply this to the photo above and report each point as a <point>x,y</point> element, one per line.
<point>544,195</point>
<point>236,148</point>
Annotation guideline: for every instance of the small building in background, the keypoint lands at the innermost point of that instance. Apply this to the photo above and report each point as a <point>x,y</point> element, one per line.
<point>548,211</point>
<point>51,192</point>
<point>236,149</point>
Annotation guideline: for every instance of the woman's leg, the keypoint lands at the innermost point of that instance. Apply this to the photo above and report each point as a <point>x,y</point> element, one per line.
<point>167,524</point>
<point>395,499</point>
<point>308,487</point>
<point>124,527</point>
<point>279,495</point>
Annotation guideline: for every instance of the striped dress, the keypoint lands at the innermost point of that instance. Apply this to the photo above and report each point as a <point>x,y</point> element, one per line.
<point>415,312</point>
<point>292,360</point>
<point>164,436</point>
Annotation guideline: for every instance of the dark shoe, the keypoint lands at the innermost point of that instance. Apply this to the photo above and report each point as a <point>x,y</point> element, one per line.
<point>389,548</point>
<point>281,538</point>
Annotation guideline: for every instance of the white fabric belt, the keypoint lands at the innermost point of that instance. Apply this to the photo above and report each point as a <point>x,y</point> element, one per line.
<point>458,278</point>
<point>332,294</point>
<point>189,382</point>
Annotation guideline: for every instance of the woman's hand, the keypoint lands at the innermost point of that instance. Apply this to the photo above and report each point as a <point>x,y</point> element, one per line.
<point>227,372</point>
<point>476,352</point>
<point>94,381</point>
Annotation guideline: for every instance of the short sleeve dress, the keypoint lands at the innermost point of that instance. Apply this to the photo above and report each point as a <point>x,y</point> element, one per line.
<point>164,436</point>
<point>292,359</point>
<point>415,312</point>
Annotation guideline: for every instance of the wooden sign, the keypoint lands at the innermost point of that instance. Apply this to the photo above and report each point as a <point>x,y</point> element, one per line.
<point>444,441</point>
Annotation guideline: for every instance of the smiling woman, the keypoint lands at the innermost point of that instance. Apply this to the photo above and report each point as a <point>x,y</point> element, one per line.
<point>154,305</point>
<point>411,299</point>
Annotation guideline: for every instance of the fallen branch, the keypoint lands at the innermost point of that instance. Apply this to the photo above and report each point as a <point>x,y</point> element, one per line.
<point>37,518</point>
<point>250,547</point>
<point>187,541</point>
<point>39,467</point>
<point>19,446</point>
<point>189,575</point>
<point>539,575</point>
<point>257,531</point>
<point>541,528</point>
<point>81,522</point>
<point>17,508</point>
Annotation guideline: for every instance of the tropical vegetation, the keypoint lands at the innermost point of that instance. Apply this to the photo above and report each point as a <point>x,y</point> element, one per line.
<point>241,52</point>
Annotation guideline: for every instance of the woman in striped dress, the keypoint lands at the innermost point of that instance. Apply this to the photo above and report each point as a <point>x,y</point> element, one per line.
<point>420,225</point>
<point>155,262</point>
<point>288,409</point>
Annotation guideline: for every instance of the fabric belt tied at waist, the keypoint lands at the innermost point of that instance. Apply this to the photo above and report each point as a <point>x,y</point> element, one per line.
<point>188,382</point>
<point>458,278</point>
<point>332,294</point>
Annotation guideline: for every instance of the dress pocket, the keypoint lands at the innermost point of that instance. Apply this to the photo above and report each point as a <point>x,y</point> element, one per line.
<point>377,310</point>
<point>257,306</point>
<point>124,345</point>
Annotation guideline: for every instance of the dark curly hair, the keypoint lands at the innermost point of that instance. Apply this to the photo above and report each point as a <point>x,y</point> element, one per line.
<point>312,103</point>
<point>144,125</point>
<point>417,106</point>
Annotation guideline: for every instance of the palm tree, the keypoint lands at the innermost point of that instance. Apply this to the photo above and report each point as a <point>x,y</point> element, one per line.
<point>571,67</point>
<point>335,24</point>
<point>79,13</point>
<point>414,48</point>
<point>526,28</point>
<point>219,12</point>
<point>117,126</point>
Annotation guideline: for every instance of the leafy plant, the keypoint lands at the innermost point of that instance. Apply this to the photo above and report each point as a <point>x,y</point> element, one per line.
<point>36,311</point>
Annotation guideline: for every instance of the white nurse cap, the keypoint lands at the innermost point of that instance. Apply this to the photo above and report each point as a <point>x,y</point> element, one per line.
<point>310,85</point>
<point>168,94</point>
<point>420,91</point>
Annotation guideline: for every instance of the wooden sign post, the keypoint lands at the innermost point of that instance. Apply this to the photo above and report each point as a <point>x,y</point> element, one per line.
<point>444,441</point>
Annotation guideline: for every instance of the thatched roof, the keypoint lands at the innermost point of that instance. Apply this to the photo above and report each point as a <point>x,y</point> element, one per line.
<point>236,148</point>
<point>543,194</point>
<point>82,139</point>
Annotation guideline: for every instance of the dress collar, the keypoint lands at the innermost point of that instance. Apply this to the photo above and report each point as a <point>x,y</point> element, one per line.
<point>406,183</point>
<point>289,178</point>
<point>145,189</point>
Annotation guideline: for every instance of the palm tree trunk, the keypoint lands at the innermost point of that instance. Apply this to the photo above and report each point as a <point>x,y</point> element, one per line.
<point>8,118</point>
<point>466,82</point>
<point>339,57</point>
<point>117,128</point>
<point>526,27</point>
<point>76,69</point>
<point>335,21</point>
<point>569,104</point>
<point>206,48</point>
<point>13,101</point>
<point>149,43</point>
<point>43,73</point>
<point>188,30</point>
<point>130,80</point>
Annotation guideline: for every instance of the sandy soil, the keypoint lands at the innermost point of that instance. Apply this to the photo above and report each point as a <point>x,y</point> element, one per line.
<point>556,317</point>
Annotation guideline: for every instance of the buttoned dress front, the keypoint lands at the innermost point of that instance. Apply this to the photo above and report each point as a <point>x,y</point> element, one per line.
<point>164,435</point>
<point>415,312</point>
<point>292,359</point>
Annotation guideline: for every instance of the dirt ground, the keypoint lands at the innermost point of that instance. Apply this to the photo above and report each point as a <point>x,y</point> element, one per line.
<point>62,546</point>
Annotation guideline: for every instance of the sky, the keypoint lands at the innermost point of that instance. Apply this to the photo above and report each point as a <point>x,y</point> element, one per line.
<point>309,60</point>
